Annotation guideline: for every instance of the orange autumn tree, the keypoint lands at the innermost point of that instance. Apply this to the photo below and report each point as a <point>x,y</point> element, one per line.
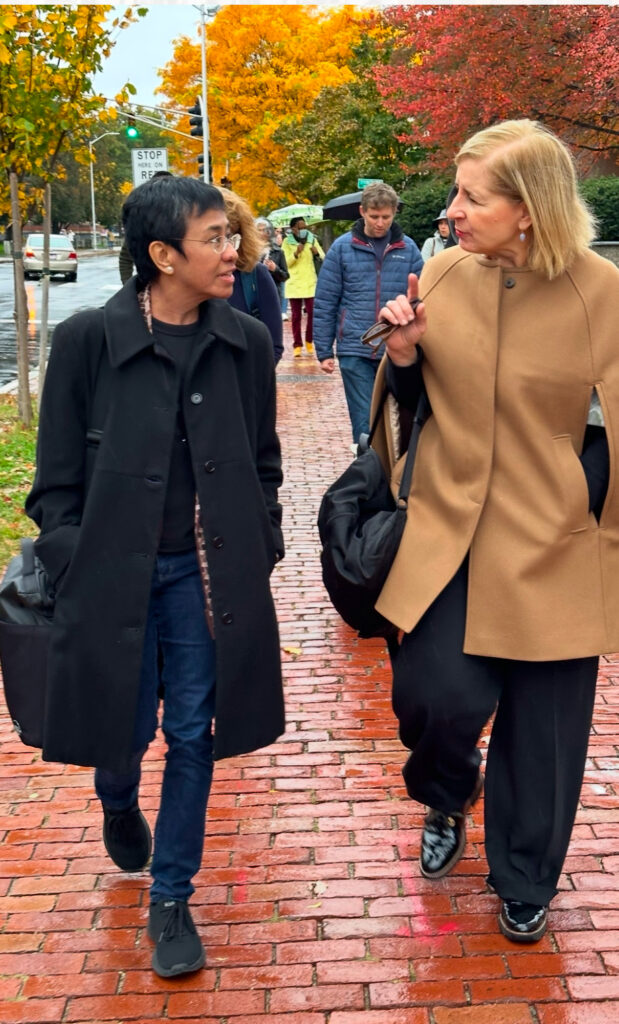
<point>265,67</point>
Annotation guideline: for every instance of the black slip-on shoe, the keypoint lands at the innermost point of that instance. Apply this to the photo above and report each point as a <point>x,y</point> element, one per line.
<point>523,922</point>
<point>444,837</point>
<point>127,838</point>
<point>179,949</point>
<point>442,843</point>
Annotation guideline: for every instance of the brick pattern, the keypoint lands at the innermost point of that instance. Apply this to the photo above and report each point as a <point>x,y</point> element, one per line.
<point>310,899</point>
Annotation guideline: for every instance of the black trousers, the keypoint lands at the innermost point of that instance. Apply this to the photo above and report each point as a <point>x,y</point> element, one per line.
<point>538,745</point>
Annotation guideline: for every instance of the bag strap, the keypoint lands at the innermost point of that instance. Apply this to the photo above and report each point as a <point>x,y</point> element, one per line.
<point>421,414</point>
<point>29,583</point>
<point>379,411</point>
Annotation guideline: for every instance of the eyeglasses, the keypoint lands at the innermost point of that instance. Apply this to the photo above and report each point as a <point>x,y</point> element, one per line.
<point>376,335</point>
<point>219,242</point>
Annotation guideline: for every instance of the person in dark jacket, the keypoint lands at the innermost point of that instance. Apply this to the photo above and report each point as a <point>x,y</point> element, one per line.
<point>125,262</point>
<point>272,254</point>
<point>362,270</point>
<point>158,467</point>
<point>254,290</point>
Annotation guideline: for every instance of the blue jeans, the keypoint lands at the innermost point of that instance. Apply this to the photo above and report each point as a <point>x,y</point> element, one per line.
<point>282,296</point>
<point>179,653</point>
<point>358,375</point>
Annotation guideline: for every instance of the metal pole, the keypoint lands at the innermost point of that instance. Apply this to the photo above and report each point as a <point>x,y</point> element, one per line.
<point>205,134</point>
<point>92,199</point>
<point>47,227</point>
<point>24,405</point>
<point>91,143</point>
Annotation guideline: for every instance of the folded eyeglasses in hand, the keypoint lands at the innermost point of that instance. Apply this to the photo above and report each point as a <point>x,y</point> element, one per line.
<point>376,335</point>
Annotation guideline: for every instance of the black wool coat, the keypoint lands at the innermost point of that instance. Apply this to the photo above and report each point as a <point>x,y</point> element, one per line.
<point>106,428</point>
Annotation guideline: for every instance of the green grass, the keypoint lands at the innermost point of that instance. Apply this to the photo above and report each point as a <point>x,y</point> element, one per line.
<point>17,455</point>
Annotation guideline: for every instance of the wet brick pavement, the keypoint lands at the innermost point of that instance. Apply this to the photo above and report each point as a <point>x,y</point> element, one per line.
<point>310,898</point>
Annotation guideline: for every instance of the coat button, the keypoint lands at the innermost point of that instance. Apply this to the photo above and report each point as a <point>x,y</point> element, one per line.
<point>196,398</point>
<point>226,618</point>
<point>509,282</point>
<point>217,542</point>
<point>209,466</point>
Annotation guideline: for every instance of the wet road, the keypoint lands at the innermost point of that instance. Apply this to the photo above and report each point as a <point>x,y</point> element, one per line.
<point>97,279</point>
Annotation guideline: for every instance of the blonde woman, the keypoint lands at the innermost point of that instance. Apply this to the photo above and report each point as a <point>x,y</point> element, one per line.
<point>506,583</point>
<point>254,291</point>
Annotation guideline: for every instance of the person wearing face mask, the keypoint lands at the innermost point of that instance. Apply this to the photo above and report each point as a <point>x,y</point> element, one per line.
<point>362,269</point>
<point>300,247</point>
<point>506,582</point>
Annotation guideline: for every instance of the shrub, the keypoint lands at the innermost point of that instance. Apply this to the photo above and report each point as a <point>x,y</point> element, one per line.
<point>602,195</point>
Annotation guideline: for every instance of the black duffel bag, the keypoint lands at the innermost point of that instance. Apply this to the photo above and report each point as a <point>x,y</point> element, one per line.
<point>26,611</point>
<point>361,526</point>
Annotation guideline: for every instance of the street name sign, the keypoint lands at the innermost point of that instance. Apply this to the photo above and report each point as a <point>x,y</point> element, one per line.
<point>146,162</point>
<point>362,182</point>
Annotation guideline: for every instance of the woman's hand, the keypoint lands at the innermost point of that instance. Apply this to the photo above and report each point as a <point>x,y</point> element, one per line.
<point>401,344</point>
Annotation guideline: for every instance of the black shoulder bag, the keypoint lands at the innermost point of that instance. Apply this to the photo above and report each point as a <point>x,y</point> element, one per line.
<point>27,609</point>
<point>361,526</point>
<point>26,612</point>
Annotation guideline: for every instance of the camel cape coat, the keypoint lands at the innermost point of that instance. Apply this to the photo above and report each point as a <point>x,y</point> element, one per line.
<point>510,363</point>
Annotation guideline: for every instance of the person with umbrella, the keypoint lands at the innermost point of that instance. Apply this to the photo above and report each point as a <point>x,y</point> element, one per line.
<point>362,270</point>
<point>301,248</point>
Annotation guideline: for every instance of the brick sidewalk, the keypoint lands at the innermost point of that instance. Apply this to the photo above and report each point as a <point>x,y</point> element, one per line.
<point>310,898</point>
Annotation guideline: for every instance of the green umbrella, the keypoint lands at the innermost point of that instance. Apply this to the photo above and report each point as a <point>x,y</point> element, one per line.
<point>281,218</point>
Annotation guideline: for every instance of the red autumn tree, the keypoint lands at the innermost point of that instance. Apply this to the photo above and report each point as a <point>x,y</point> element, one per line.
<point>458,69</point>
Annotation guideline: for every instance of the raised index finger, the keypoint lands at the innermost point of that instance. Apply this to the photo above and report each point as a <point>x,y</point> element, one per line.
<point>412,291</point>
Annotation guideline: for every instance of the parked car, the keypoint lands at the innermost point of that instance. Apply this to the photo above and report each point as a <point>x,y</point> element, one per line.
<point>62,257</point>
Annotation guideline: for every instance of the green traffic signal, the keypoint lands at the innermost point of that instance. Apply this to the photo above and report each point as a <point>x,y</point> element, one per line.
<point>131,130</point>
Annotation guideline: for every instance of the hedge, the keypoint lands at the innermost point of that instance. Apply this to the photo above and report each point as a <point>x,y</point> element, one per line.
<point>602,196</point>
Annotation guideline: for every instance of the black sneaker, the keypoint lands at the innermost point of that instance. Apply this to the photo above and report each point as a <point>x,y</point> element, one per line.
<point>442,843</point>
<point>127,838</point>
<point>179,949</point>
<point>444,837</point>
<point>523,922</point>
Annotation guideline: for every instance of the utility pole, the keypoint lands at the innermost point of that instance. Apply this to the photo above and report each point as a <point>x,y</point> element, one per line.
<point>205,133</point>
<point>92,186</point>
<point>204,11</point>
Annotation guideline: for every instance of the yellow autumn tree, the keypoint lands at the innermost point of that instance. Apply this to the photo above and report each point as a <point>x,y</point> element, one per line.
<point>48,56</point>
<point>265,67</point>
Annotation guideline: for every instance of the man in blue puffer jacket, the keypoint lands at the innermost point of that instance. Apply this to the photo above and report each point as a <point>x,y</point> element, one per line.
<point>362,269</point>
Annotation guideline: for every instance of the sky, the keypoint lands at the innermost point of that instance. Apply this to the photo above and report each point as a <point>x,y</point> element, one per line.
<point>144,47</point>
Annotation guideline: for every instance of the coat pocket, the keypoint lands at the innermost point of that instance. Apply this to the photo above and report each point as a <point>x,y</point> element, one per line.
<point>574,488</point>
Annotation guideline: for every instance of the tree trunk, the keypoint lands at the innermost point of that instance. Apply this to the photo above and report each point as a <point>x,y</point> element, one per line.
<point>24,404</point>
<point>47,221</point>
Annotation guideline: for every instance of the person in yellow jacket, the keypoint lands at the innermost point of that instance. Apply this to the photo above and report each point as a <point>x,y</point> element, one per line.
<point>506,581</point>
<point>302,251</point>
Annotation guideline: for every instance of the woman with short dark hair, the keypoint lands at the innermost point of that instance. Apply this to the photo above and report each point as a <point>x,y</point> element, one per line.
<point>158,467</point>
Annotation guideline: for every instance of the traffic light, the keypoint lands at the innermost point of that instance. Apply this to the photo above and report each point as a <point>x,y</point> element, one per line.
<point>195,120</point>
<point>131,130</point>
<point>201,166</point>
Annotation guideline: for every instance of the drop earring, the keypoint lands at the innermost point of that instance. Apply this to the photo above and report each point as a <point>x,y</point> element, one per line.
<point>522,236</point>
